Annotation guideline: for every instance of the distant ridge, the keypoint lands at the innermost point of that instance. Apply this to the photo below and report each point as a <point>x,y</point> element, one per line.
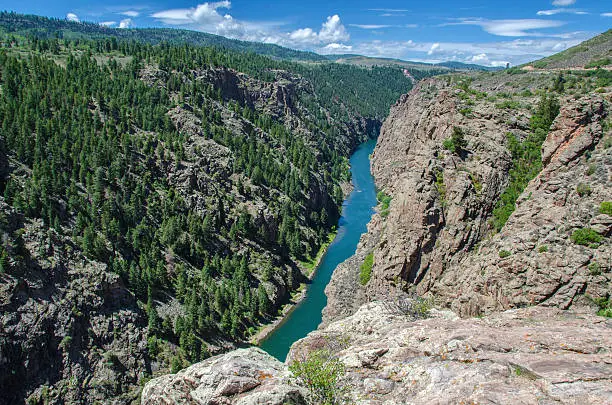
<point>11,22</point>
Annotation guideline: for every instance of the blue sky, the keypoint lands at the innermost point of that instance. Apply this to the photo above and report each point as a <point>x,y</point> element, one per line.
<point>487,32</point>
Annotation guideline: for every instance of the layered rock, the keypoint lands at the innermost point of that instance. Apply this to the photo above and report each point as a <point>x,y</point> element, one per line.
<point>527,356</point>
<point>244,376</point>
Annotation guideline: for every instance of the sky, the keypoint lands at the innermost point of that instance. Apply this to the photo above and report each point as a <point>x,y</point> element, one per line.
<point>487,32</point>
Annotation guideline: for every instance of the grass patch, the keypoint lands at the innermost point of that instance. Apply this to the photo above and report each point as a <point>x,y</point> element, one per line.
<point>504,253</point>
<point>605,208</point>
<point>586,237</point>
<point>365,271</point>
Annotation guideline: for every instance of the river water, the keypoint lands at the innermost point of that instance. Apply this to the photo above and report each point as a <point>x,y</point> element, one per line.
<point>357,211</point>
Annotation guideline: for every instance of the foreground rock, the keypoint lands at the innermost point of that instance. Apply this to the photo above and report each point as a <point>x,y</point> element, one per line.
<point>523,356</point>
<point>244,376</point>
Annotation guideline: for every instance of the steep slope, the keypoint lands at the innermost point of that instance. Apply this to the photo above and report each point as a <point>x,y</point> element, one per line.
<point>157,203</point>
<point>596,52</point>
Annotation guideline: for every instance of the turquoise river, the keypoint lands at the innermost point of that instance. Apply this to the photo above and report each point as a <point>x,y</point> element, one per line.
<point>357,211</point>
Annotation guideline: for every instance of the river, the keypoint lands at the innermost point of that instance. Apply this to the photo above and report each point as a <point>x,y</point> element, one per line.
<point>357,211</point>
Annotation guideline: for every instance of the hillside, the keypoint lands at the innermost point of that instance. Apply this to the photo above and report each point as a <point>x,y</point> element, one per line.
<point>160,202</point>
<point>43,27</point>
<point>596,52</point>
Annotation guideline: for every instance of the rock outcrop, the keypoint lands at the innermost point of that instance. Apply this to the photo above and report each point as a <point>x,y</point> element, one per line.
<point>523,356</point>
<point>438,238</point>
<point>244,376</point>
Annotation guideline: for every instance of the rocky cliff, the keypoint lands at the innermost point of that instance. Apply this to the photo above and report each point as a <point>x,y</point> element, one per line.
<point>438,237</point>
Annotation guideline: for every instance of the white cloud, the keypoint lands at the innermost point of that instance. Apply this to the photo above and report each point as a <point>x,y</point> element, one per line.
<point>563,3</point>
<point>370,26</point>
<point>390,10</point>
<point>606,14</point>
<point>333,30</point>
<point>108,23</point>
<point>411,25</point>
<point>72,17</point>
<point>511,28</point>
<point>335,48</point>
<point>208,17</point>
<point>562,10</point>
<point>203,14</point>
<point>433,49</point>
<point>130,13</point>
<point>126,23</point>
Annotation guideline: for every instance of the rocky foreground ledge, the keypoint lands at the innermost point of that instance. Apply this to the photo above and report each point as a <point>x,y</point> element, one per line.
<point>522,356</point>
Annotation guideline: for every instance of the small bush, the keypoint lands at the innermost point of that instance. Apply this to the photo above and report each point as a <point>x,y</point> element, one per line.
<point>320,373</point>
<point>606,208</point>
<point>594,269</point>
<point>543,249</point>
<point>586,237</point>
<point>365,273</point>
<point>583,190</point>
<point>384,201</point>
<point>456,143</point>
<point>504,253</point>
<point>591,169</point>
<point>65,343</point>
<point>605,307</point>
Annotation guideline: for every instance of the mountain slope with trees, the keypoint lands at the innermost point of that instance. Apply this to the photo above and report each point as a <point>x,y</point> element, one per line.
<point>158,199</point>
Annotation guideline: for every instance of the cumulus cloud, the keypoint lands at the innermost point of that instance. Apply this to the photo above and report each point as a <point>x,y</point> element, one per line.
<point>72,17</point>
<point>563,3</point>
<point>108,23</point>
<point>126,23</point>
<point>210,17</point>
<point>511,28</point>
<point>561,11</point>
<point>433,49</point>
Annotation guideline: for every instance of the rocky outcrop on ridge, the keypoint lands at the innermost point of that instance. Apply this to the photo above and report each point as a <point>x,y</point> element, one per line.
<point>523,356</point>
<point>244,376</point>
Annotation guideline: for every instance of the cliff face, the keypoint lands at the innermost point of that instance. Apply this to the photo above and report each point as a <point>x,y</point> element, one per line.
<point>438,238</point>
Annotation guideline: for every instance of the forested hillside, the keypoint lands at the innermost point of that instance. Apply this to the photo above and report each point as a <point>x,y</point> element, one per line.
<point>159,200</point>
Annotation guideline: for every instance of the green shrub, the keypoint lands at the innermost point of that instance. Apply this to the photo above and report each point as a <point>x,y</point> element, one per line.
<point>594,269</point>
<point>65,343</point>
<point>605,307</point>
<point>591,169</point>
<point>606,208</point>
<point>526,158</point>
<point>365,272</point>
<point>384,201</point>
<point>504,253</point>
<point>586,237</point>
<point>320,373</point>
<point>583,189</point>
<point>543,249</point>
<point>508,105</point>
<point>456,143</point>
<point>466,112</point>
